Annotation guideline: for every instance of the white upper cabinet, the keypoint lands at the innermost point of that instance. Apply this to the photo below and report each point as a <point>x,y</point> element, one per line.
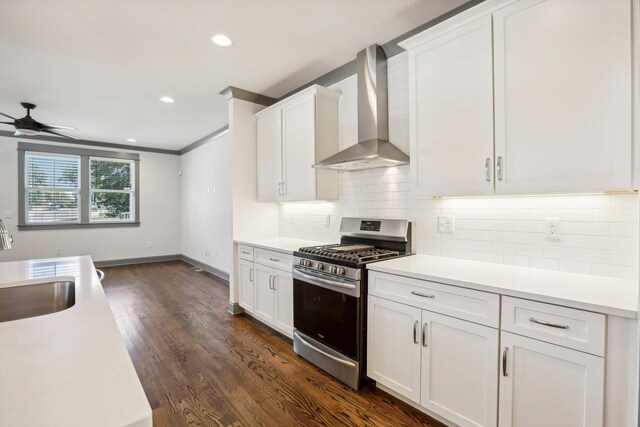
<point>293,135</point>
<point>563,96</point>
<point>451,114</point>
<point>269,130</point>
<point>540,88</point>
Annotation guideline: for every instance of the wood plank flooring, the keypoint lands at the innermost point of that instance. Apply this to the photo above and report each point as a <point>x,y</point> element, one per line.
<point>201,366</point>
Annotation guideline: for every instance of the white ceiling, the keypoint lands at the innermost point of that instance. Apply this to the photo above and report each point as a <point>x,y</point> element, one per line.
<point>102,65</point>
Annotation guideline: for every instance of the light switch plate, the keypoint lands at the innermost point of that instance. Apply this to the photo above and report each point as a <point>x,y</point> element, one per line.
<point>446,223</point>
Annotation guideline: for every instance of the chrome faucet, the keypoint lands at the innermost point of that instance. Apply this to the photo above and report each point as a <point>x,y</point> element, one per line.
<point>5,238</point>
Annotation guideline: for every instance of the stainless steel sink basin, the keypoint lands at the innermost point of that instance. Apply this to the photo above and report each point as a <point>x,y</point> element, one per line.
<point>21,302</point>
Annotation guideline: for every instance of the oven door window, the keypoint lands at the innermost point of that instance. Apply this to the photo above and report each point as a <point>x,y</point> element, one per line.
<point>328,316</point>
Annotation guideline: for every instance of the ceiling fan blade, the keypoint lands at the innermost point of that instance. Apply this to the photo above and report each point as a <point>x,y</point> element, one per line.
<point>7,123</point>
<point>8,116</point>
<point>55,132</point>
<point>48,126</point>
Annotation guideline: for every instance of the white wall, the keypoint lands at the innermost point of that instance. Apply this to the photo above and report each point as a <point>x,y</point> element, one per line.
<point>599,233</point>
<point>207,216</point>
<point>159,216</point>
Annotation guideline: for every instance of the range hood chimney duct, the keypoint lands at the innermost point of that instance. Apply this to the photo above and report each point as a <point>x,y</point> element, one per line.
<point>373,149</point>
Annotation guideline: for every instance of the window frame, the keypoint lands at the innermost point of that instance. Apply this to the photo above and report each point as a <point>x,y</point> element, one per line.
<point>84,204</point>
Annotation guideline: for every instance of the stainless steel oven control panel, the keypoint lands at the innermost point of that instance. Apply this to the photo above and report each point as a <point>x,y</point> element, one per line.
<point>327,268</point>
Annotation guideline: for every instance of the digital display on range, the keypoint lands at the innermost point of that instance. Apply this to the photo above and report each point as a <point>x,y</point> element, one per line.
<point>370,225</point>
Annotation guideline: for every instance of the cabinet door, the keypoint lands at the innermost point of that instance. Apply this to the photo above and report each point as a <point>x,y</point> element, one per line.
<point>563,96</point>
<point>283,284</point>
<point>451,112</point>
<point>393,346</point>
<point>298,145</point>
<point>269,152</point>
<point>246,288</point>
<point>547,385</point>
<point>265,298</point>
<point>460,370</point>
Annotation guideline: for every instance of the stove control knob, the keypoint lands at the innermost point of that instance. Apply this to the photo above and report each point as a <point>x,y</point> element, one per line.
<point>320,266</point>
<point>341,271</point>
<point>333,269</point>
<point>307,263</point>
<point>301,262</point>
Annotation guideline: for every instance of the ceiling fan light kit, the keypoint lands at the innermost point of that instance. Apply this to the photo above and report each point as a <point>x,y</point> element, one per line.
<point>30,127</point>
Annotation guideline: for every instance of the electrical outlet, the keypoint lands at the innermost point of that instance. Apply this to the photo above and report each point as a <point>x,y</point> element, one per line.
<point>9,214</point>
<point>149,244</point>
<point>552,228</point>
<point>215,254</point>
<point>327,221</point>
<point>58,252</point>
<point>207,253</point>
<point>445,223</point>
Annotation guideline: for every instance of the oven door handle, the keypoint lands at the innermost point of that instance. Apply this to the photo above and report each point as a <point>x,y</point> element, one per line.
<point>312,279</point>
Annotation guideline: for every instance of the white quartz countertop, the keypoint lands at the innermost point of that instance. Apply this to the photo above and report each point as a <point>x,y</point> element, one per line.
<point>600,294</point>
<point>281,244</point>
<point>69,368</point>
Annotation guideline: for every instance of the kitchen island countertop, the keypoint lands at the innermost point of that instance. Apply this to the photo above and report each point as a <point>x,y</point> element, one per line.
<point>69,368</point>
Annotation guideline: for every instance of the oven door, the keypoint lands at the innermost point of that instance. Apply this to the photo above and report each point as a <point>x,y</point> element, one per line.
<point>328,310</point>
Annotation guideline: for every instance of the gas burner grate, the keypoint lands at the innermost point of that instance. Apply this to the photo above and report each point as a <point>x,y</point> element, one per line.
<point>338,252</point>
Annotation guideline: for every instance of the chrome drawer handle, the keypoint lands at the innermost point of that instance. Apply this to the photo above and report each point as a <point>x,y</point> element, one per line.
<point>549,324</point>
<point>415,332</point>
<point>246,253</point>
<point>500,167</point>
<point>422,295</point>
<point>274,259</point>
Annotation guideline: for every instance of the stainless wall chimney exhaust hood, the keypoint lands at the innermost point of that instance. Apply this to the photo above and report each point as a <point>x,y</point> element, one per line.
<point>373,149</point>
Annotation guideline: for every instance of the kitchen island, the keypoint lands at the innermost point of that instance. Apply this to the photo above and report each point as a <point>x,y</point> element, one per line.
<point>69,368</point>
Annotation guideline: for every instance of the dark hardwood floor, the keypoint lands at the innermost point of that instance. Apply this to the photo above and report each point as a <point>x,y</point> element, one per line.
<point>201,366</point>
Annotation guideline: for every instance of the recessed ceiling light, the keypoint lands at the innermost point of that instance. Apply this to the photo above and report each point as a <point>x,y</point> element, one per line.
<point>221,40</point>
<point>131,140</point>
<point>167,99</point>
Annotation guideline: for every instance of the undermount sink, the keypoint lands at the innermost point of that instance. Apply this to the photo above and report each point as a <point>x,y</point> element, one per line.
<point>21,302</point>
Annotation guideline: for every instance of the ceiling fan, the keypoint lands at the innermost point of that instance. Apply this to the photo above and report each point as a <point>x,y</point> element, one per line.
<point>29,126</point>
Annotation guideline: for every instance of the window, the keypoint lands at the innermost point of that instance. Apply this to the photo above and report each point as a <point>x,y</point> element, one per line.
<point>67,187</point>
<point>111,189</point>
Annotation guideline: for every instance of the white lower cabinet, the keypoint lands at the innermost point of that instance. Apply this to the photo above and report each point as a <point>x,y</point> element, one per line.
<point>448,366</point>
<point>459,370</point>
<point>246,289</point>
<point>265,298</point>
<point>542,384</point>
<point>267,292</point>
<point>393,347</point>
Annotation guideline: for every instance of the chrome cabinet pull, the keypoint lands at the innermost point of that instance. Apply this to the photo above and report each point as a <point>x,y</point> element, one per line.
<point>280,188</point>
<point>499,168</point>
<point>487,165</point>
<point>246,253</point>
<point>274,283</point>
<point>415,332</point>
<point>284,188</point>
<point>424,335</point>
<point>504,362</point>
<point>549,324</point>
<point>251,275</point>
<point>274,259</point>
<point>422,295</point>
<point>270,278</point>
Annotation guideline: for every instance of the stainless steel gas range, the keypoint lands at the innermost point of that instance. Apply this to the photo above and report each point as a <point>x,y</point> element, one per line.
<point>330,294</point>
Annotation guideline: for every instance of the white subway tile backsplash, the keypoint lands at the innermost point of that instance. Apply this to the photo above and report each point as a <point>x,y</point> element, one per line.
<point>598,233</point>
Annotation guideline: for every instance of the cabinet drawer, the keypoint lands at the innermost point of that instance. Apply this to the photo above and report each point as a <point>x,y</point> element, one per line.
<point>274,259</point>
<point>568,327</point>
<point>245,252</point>
<point>475,306</point>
